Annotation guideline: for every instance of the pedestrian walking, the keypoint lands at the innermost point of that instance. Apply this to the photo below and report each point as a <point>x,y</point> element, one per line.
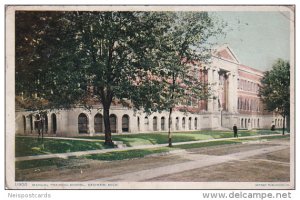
<point>235,131</point>
<point>272,126</point>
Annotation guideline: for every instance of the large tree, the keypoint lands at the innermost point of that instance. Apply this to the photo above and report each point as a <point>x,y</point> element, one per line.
<point>275,90</point>
<point>62,56</point>
<point>186,49</point>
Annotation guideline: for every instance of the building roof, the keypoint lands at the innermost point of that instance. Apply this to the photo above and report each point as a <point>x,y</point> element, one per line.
<point>226,53</point>
<point>250,69</point>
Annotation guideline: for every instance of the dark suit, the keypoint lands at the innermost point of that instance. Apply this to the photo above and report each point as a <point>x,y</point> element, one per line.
<point>235,131</point>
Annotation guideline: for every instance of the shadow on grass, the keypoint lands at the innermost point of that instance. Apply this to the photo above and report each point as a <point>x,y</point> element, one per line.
<point>29,146</point>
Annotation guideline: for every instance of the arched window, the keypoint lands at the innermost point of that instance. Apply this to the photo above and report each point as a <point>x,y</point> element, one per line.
<point>24,123</point>
<point>31,122</point>
<point>190,123</point>
<point>257,123</point>
<point>53,123</point>
<point>242,123</point>
<point>45,122</point>
<point>162,123</point>
<point>155,123</point>
<point>82,123</point>
<point>113,123</point>
<point>125,123</point>
<point>36,122</point>
<point>196,123</point>
<point>183,123</point>
<point>146,123</point>
<point>248,104</point>
<point>177,123</point>
<point>138,123</point>
<point>98,123</point>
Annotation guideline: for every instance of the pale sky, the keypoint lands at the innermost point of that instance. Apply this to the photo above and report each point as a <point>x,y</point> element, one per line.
<point>257,38</point>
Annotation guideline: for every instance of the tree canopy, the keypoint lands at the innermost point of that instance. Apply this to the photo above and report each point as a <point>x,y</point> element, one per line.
<point>275,89</point>
<point>68,58</point>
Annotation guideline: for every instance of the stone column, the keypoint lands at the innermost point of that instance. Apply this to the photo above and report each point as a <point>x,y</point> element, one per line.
<point>62,124</point>
<point>133,125</point>
<point>150,124</point>
<point>167,123</point>
<point>119,123</point>
<point>234,93</point>
<point>180,123</point>
<point>216,89</point>
<point>186,124</point>
<point>230,92</point>
<point>91,125</point>
<point>159,123</point>
<point>28,127</point>
<point>142,123</point>
<point>58,125</point>
<point>210,81</point>
<point>173,123</point>
<point>193,123</point>
<point>249,125</point>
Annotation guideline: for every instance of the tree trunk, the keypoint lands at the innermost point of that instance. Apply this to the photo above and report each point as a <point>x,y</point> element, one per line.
<point>108,139</point>
<point>169,131</point>
<point>288,123</point>
<point>106,99</point>
<point>283,127</point>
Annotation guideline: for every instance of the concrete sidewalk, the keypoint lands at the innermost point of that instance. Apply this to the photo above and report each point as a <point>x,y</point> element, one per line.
<point>101,151</point>
<point>199,162</point>
<point>65,138</point>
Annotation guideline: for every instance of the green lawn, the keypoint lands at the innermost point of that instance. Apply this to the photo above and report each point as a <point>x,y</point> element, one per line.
<point>29,146</point>
<point>110,156</point>
<point>127,154</point>
<point>162,138</point>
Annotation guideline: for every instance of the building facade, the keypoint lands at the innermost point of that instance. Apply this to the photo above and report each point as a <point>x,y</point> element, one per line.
<point>235,88</point>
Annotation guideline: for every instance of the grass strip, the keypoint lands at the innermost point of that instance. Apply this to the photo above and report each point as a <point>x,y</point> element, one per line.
<point>28,164</point>
<point>161,138</point>
<point>128,154</point>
